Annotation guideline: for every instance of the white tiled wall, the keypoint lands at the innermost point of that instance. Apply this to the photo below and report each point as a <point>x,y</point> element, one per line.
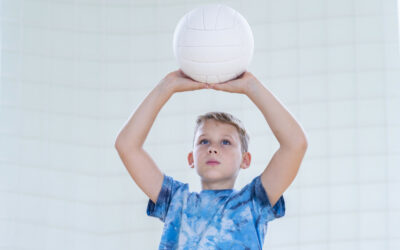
<point>72,73</point>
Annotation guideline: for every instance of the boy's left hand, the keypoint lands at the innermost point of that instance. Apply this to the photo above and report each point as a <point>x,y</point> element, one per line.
<point>241,84</point>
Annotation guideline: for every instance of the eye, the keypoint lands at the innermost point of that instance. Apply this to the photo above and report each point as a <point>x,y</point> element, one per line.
<point>227,141</point>
<point>202,141</point>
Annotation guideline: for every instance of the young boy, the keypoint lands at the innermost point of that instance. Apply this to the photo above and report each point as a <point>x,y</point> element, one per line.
<point>218,217</point>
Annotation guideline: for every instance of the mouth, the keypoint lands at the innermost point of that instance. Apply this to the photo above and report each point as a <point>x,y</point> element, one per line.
<point>212,162</point>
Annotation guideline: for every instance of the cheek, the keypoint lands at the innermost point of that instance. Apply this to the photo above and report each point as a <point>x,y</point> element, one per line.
<point>196,154</point>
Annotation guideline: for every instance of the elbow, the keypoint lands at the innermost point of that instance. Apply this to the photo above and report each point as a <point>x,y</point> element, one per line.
<point>300,144</point>
<point>118,144</point>
<point>124,146</point>
<point>303,143</point>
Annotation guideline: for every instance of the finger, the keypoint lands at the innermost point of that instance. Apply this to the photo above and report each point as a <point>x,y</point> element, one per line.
<point>222,86</point>
<point>202,85</point>
<point>214,86</point>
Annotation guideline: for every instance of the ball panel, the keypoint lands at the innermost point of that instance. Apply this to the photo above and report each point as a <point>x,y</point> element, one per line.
<point>215,78</point>
<point>195,19</point>
<point>218,17</point>
<point>230,67</point>
<point>210,54</point>
<point>199,78</point>
<point>245,32</point>
<point>211,17</point>
<point>226,18</point>
<point>192,37</point>
<point>178,34</point>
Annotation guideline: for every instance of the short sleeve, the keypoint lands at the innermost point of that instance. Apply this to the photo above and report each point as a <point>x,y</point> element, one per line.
<point>261,204</point>
<point>168,189</point>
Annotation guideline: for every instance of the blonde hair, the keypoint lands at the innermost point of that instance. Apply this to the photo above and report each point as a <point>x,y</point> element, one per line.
<point>229,119</point>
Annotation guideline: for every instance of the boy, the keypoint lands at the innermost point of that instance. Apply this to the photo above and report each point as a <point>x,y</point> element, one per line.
<point>218,217</point>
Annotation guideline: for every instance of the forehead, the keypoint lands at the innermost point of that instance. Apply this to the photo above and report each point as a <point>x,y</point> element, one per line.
<point>212,127</point>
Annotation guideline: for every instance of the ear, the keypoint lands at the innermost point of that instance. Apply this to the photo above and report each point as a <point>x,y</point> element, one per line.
<point>246,160</point>
<point>190,160</point>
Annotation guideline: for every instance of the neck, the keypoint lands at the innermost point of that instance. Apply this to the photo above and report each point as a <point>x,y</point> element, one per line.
<point>218,185</point>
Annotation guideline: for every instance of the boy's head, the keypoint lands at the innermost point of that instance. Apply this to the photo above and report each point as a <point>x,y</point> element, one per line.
<point>220,137</point>
<point>225,118</point>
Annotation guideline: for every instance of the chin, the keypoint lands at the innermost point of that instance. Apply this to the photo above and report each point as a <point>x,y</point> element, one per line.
<point>215,176</point>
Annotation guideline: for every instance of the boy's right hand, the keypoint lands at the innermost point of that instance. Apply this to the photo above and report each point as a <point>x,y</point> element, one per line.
<point>177,81</point>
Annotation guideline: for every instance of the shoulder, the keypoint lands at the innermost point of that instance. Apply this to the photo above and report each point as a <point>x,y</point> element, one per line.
<point>250,187</point>
<point>172,187</point>
<point>255,191</point>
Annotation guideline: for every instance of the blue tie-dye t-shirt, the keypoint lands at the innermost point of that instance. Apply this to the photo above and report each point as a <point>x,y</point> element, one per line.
<point>214,219</point>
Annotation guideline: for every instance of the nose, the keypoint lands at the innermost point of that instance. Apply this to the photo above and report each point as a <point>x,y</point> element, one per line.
<point>212,150</point>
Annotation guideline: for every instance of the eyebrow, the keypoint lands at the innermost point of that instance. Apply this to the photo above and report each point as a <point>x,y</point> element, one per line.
<point>223,135</point>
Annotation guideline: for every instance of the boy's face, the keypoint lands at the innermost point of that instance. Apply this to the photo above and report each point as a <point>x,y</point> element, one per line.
<point>217,141</point>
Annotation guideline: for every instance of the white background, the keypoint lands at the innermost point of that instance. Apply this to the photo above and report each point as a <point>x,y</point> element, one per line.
<point>72,73</point>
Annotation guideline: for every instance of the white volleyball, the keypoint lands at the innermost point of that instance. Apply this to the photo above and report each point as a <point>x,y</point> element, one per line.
<point>213,43</point>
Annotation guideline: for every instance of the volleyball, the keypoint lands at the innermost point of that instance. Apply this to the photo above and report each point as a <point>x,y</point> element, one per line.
<point>213,43</point>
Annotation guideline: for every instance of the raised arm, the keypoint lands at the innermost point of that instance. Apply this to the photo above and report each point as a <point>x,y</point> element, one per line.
<point>285,163</point>
<point>130,140</point>
<point>283,167</point>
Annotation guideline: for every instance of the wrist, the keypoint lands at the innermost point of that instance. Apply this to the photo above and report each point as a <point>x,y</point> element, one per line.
<point>253,87</point>
<point>165,86</point>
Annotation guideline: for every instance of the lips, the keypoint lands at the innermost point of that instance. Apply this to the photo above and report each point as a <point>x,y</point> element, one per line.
<point>213,162</point>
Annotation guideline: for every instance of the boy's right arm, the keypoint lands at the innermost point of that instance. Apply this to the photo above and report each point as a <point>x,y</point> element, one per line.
<point>130,140</point>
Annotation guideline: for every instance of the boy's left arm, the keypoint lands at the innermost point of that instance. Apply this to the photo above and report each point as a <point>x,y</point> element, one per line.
<point>284,165</point>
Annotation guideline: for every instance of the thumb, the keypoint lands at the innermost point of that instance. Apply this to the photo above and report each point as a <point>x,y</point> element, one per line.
<point>221,86</point>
